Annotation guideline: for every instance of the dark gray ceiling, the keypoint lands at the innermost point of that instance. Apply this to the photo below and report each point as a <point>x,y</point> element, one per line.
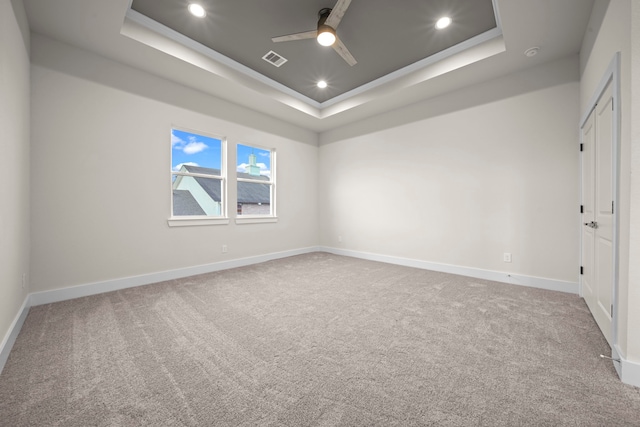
<point>382,35</point>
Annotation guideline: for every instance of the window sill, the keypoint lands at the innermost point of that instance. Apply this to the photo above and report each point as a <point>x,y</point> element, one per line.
<point>256,220</point>
<point>188,222</point>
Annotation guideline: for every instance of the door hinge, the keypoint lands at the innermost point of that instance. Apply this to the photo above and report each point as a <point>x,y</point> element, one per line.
<point>612,311</point>
<point>581,208</point>
<point>581,147</point>
<point>581,270</point>
<point>611,207</point>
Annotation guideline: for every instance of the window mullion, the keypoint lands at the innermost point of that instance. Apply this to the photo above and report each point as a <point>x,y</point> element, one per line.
<point>197,175</point>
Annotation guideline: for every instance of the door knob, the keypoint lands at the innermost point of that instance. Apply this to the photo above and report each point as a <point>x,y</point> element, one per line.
<point>591,224</point>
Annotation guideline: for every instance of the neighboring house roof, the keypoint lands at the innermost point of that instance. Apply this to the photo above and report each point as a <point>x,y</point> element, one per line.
<point>185,204</point>
<point>247,192</point>
<point>211,186</point>
<point>200,169</point>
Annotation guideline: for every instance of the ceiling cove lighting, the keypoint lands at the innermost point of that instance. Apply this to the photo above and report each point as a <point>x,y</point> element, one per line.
<point>197,10</point>
<point>322,84</point>
<point>443,22</point>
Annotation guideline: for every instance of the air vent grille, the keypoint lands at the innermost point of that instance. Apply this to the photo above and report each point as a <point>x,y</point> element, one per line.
<point>274,58</point>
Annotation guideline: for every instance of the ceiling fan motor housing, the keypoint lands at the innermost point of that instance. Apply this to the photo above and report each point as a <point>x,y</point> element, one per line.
<point>323,15</point>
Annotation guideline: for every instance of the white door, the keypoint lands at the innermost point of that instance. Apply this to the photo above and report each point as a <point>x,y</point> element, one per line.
<point>598,209</point>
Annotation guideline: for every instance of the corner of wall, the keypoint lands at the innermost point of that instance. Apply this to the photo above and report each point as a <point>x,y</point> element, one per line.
<point>12,334</point>
<point>15,147</point>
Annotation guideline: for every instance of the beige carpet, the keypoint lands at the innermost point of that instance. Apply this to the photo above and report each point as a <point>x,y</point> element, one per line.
<point>315,340</point>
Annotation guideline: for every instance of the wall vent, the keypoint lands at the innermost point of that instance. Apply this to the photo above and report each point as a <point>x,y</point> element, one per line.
<point>274,58</point>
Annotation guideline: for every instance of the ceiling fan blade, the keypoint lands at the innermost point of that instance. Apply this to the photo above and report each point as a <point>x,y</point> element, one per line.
<point>337,13</point>
<point>297,36</point>
<point>342,50</point>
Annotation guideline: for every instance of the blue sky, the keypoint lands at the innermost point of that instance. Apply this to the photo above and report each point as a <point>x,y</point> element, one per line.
<point>199,150</point>
<point>192,149</point>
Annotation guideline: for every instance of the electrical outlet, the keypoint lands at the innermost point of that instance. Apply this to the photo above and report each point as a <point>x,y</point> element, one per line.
<point>507,257</point>
<point>340,239</point>
<point>24,280</point>
<point>224,249</point>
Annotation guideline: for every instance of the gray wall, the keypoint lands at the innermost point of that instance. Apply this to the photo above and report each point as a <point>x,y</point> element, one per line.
<point>487,170</point>
<point>427,189</point>
<point>101,173</point>
<point>14,191</point>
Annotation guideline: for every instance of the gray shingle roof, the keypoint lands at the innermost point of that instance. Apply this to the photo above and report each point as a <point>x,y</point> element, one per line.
<point>247,192</point>
<point>211,186</point>
<point>200,169</point>
<point>185,204</point>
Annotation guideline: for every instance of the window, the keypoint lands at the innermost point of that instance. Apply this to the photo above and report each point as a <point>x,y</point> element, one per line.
<point>198,184</point>
<point>256,183</point>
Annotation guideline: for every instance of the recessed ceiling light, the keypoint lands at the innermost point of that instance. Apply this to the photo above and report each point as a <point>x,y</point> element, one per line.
<point>197,10</point>
<point>443,22</point>
<point>322,84</point>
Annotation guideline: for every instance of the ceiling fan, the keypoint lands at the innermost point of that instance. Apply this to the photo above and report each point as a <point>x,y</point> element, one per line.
<point>326,32</point>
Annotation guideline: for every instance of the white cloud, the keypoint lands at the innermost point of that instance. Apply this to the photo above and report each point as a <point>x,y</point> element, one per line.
<point>194,147</point>
<point>179,165</point>
<point>175,140</point>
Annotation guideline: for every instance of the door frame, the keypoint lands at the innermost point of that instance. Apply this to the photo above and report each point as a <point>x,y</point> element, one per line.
<point>612,75</point>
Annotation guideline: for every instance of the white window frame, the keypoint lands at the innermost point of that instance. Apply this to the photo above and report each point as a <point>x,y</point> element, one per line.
<point>195,220</point>
<point>259,219</point>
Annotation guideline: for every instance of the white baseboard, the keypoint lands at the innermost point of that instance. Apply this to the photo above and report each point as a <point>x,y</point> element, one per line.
<point>12,333</point>
<point>628,371</point>
<point>497,276</point>
<point>56,295</point>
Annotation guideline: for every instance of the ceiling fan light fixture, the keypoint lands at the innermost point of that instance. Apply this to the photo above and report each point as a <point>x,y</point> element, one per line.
<point>325,32</point>
<point>197,10</point>
<point>326,35</point>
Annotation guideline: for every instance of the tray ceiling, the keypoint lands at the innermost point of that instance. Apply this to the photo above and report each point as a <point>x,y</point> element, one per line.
<point>383,36</point>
